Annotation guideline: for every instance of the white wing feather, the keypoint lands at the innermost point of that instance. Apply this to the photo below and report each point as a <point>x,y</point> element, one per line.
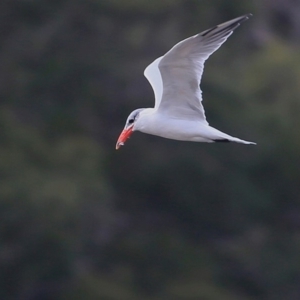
<point>152,73</point>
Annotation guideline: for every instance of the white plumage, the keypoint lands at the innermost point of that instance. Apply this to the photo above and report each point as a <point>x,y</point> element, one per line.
<point>175,78</point>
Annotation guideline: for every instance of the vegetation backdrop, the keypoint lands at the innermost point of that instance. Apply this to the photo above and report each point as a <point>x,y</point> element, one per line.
<point>158,219</point>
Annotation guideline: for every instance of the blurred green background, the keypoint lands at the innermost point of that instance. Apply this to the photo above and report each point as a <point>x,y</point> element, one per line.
<point>158,219</point>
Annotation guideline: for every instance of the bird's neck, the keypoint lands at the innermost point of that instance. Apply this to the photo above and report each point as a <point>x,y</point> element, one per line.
<point>145,119</point>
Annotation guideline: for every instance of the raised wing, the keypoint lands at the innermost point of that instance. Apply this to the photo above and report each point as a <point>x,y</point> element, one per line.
<point>181,70</point>
<point>152,73</point>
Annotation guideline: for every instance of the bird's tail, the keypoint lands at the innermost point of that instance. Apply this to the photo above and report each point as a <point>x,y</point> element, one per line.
<point>218,136</point>
<point>233,139</point>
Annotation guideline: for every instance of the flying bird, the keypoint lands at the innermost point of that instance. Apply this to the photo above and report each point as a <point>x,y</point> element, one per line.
<point>175,77</point>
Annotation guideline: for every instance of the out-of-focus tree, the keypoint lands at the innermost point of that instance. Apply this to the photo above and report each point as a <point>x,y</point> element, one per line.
<point>159,219</point>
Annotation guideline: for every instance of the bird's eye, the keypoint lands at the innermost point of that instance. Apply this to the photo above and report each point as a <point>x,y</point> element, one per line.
<point>130,121</point>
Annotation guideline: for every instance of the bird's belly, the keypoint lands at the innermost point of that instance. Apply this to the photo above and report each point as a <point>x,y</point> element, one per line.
<point>178,130</point>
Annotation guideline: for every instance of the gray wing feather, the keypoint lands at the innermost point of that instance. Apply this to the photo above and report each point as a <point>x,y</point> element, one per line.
<point>181,70</point>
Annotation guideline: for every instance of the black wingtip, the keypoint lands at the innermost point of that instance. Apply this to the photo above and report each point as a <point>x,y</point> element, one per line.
<point>243,18</point>
<point>247,16</point>
<point>227,26</point>
<point>221,141</point>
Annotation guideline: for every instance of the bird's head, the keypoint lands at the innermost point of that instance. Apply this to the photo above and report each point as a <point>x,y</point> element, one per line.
<point>129,127</point>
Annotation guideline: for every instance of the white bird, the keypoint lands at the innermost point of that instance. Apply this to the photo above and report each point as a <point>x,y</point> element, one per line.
<point>175,78</point>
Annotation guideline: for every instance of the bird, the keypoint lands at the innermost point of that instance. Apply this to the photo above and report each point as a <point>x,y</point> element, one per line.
<point>175,77</point>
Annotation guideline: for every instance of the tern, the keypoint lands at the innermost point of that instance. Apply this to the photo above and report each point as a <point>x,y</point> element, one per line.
<point>175,77</point>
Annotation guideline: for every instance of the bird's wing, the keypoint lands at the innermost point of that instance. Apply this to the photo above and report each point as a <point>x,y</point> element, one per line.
<point>152,73</point>
<point>176,86</point>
